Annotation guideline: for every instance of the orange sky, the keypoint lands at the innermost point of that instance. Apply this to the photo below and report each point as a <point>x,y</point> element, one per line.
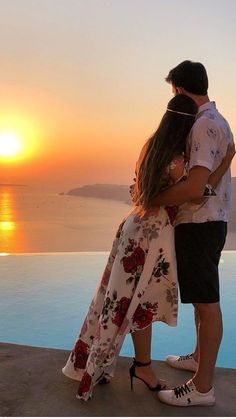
<point>87,82</point>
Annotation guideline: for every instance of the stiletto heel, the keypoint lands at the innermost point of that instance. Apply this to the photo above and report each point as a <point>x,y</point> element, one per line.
<point>131,381</point>
<point>132,374</point>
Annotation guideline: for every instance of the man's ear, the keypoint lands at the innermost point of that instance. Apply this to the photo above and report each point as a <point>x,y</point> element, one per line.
<point>180,90</point>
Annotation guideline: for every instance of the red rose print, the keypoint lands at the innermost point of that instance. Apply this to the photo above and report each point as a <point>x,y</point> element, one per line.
<point>85,384</point>
<point>80,354</point>
<point>142,316</point>
<point>129,264</point>
<point>121,310</point>
<point>140,255</point>
<point>137,258</point>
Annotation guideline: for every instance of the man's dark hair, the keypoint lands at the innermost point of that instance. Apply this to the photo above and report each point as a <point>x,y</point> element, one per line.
<point>191,76</point>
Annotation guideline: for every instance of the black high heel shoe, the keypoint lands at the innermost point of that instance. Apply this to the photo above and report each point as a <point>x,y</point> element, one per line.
<point>104,380</point>
<point>132,374</point>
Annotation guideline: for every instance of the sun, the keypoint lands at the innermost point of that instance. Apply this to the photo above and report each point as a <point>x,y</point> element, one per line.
<point>10,144</point>
<point>20,136</point>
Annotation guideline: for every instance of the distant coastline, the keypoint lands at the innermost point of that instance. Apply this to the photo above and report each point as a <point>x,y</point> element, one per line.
<point>102,191</point>
<point>12,184</point>
<point>121,193</point>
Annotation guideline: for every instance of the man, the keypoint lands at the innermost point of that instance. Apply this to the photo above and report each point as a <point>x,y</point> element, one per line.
<point>200,235</point>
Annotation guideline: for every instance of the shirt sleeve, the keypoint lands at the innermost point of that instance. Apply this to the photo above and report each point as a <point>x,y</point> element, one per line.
<point>203,143</point>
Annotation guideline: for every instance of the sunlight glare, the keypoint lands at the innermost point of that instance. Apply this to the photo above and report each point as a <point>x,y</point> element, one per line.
<point>7,225</point>
<point>10,144</point>
<point>19,137</point>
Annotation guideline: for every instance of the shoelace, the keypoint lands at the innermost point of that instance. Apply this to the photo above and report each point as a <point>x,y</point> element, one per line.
<point>181,390</point>
<point>185,357</point>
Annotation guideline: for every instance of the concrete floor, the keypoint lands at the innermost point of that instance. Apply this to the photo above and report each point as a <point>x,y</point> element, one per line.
<point>31,384</point>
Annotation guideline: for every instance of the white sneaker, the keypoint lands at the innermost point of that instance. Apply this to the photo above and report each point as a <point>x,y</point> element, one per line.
<point>187,395</point>
<point>183,362</point>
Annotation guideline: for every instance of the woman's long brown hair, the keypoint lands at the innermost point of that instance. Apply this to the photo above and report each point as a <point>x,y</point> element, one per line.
<point>168,141</point>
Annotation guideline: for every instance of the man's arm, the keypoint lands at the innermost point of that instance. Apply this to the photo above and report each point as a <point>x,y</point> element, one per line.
<point>188,190</point>
<point>216,176</point>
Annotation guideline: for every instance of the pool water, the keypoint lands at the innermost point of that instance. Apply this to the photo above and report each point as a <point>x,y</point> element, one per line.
<point>44,298</point>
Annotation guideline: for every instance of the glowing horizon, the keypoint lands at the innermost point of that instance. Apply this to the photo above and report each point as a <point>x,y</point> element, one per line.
<point>83,86</point>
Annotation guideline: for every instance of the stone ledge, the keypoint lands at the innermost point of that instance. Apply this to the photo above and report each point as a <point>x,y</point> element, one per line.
<point>32,384</point>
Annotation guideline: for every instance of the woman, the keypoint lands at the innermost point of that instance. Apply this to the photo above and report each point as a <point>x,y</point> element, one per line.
<point>139,283</point>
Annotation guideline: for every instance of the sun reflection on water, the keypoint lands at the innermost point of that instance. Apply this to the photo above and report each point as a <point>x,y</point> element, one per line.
<point>12,230</point>
<point>7,222</point>
<point>11,237</point>
<point>7,225</point>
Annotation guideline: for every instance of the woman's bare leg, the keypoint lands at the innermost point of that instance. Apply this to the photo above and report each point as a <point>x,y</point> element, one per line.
<point>142,349</point>
<point>142,344</point>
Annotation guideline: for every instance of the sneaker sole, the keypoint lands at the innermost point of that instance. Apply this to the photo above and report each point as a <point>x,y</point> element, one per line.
<point>180,368</point>
<point>189,405</point>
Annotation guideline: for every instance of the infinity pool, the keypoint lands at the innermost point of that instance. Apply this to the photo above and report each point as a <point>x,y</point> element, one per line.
<point>44,298</point>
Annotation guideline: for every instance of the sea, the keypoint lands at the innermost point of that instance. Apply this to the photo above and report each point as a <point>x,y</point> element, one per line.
<point>35,220</point>
<point>53,249</point>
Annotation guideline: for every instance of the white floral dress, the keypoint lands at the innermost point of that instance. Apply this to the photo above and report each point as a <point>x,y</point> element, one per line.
<point>138,287</point>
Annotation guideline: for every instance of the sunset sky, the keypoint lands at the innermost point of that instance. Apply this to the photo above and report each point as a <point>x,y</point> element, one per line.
<point>82,81</point>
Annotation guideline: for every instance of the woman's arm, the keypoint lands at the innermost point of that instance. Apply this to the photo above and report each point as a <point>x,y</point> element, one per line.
<point>216,176</point>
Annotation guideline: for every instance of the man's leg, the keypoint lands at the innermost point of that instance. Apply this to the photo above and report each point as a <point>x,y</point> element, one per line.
<point>185,245</point>
<point>209,339</point>
<point>197,322</point>
<point>199,390</point>
<point>198,253</point>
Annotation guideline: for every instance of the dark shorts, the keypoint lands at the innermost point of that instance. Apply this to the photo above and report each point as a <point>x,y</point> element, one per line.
<point>198,249</point>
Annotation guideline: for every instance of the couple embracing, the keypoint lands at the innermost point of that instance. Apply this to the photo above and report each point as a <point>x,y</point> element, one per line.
<point>173,236</point>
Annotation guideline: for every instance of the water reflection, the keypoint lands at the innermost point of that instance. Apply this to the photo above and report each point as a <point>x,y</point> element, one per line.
<point>7,225</point>
<point>6,205</point>
<point>7,222</point>
<point>11,238</point>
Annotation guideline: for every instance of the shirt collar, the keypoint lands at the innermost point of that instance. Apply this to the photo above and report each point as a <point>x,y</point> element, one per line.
<point>206,107</point>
